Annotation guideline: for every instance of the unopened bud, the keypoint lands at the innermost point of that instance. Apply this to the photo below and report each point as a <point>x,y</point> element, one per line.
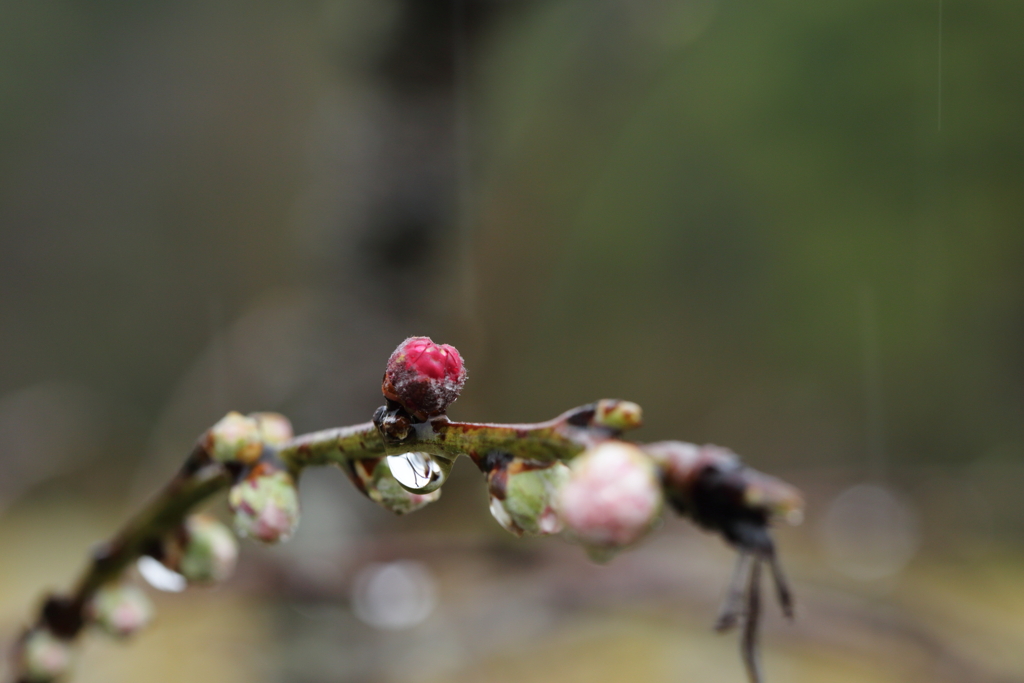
<point>618,415</point>
<point>612,498</point>
<point>523,499</point>
<point>424,377</point>
<point>374,478</point>
<point>120,609</point>
<point>236,438</point>
<point>42,657</point>
<point>683,462</point>
<point>776,497</point>
<point>266,505</point>
<point>275,429</point>
<point>210,551</point>
<point>684,468</point>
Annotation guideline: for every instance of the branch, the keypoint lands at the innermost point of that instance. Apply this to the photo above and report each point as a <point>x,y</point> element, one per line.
<point>573,475</point>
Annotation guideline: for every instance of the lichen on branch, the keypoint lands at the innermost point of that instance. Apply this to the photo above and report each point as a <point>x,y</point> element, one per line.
<point>574,475</point>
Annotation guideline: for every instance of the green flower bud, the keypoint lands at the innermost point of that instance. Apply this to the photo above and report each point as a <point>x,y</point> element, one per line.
<point>618,415</point>
<point>210,551</point>
<point>374,478</point>
<point>523,499</point>
<point>275,429</point>
<point>236,438</point>
<point>120,609</point>
<point>266,505</point>
<point>43,657</point>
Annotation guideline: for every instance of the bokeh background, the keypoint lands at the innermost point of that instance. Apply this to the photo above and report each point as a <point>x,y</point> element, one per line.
<point>793,228</point>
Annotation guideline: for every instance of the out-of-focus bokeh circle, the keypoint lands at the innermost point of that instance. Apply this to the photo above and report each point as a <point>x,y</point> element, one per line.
<point>868,532</point>
<point>394,595</point>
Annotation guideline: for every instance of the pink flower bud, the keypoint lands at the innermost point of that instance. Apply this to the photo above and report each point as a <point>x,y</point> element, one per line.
<point>266,505</point>
<point>121,609</point>
<point>612,498</point>
<point>424,377</point>
<point>236,438</point>
<point>42,657</point>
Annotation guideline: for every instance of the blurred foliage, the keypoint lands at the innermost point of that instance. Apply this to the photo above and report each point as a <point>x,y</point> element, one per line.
<point>759,200</point>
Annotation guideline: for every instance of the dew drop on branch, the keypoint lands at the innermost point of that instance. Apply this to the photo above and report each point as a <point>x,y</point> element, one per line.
<point>415,471</point>
<point>160,577</point>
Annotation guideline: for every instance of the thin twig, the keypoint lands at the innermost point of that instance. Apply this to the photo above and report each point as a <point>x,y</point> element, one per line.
<point>201,478</point>
<point>734,607</point>
<point>748,642</point>
<point>782,591</point>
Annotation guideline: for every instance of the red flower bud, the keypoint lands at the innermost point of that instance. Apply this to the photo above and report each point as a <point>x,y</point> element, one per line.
<point>424,377</point>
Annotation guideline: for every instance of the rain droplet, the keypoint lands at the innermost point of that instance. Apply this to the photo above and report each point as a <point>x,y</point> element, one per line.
<point>160,577</point>
<point>417,472</point>
<point>501,515</point>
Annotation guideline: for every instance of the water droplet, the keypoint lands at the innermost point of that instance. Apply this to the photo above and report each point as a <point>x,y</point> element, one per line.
<point>501,515</point>
<point>418,472</point>
<point>160,577</point>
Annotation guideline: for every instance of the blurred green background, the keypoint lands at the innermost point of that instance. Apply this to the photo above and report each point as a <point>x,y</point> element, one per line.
<point>792,228</point>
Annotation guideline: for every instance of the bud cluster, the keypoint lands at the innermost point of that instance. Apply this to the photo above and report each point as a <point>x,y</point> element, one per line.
<point>607,498</point>
<point>606,495</point>
<point>240,438</point>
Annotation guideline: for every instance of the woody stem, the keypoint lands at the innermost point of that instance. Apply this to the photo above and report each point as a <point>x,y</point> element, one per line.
<point>201,478</point>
